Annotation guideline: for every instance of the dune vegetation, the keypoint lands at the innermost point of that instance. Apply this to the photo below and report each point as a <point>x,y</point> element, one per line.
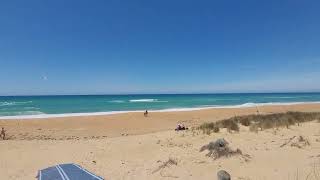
<point>260,122</point>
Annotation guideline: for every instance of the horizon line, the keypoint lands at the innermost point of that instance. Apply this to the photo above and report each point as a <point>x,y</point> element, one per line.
<point>191,93</point>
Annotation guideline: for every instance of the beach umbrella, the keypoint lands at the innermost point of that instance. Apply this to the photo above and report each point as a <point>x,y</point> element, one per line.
<point>67,172</point>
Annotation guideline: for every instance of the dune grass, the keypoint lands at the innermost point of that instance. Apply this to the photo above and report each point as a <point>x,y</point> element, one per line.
<point>231,124</point>
<point>256,122</point>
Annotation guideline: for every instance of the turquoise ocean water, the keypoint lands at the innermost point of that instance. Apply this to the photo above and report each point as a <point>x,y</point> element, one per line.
<point>51,106</point>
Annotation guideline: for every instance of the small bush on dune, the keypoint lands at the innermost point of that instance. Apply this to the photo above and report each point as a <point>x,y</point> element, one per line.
<point>207,128</point>
<point>220,148</point>
<point>230,124</point>
<point>266,124</point>
<point>216,129</point>
<point>245,121</point>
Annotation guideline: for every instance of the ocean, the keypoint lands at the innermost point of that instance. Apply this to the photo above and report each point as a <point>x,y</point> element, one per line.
<point>75,105</point>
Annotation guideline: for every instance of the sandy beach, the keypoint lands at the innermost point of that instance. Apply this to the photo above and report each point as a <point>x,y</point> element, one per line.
<point>159,90</point>
<point>131,146</point>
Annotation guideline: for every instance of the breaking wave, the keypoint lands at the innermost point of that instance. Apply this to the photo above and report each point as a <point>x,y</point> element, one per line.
<point>13,103</point>
<point>145,100</point>
<point>117,101</point>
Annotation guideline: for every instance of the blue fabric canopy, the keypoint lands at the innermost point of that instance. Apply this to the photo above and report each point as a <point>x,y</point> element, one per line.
<point>67,172</point>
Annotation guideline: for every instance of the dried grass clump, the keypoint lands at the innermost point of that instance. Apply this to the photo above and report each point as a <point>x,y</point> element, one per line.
<point>300,142</point>
<point>297,141</point>
<point>245,121</point>
<point>230,124</point>
<point>165,164</point>
<point>219,148</point>
<point>208,128</point>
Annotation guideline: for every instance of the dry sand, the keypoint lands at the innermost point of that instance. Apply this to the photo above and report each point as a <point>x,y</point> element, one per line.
<point>101,144</point>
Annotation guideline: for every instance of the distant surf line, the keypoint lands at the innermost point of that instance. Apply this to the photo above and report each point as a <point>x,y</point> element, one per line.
<point>178,109</point>
<point>136,101</point>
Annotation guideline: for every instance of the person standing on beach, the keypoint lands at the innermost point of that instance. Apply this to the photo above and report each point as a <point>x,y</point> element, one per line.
<point>146,113</point>
<point>3,134</point>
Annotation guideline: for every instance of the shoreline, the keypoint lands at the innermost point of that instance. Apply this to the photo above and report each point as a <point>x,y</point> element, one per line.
<point>186,109</point>
<point>133,123</point>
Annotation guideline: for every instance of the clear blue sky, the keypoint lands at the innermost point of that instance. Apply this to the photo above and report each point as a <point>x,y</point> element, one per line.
<point>158,46</point>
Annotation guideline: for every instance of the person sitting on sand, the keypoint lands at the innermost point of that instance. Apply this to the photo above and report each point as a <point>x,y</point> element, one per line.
<point>181,127</point>
<point>146,113</point>
<point>3,134</point>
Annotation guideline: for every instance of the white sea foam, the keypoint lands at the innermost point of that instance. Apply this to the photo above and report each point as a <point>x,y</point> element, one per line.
<point>136,101</point>
<point>265,104</point>
<point>286,97</point>
<point>31,108</point>
<point>245,105</point>
<point>117,101</point>
<point>29,113</point>
<point>224,99</point>
<point>38,114</point>
<point>145,100</point>
<point>17,115</point>
<point>43,115</point>
<point>12,103</point>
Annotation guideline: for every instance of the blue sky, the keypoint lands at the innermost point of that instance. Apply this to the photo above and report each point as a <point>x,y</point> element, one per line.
<point>182,46</point>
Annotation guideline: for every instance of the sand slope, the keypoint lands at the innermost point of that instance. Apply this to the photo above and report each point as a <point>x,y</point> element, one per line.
<point>139,157</point>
